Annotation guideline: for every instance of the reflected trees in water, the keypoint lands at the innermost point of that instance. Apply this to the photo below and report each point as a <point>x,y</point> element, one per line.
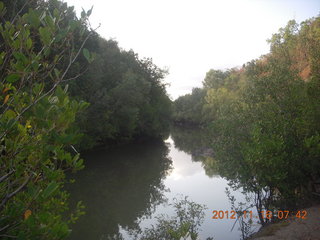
<point>129,186</point>
<point>203,147</point>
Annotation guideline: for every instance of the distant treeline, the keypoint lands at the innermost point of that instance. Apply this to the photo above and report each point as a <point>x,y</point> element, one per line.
<point>264,117</point>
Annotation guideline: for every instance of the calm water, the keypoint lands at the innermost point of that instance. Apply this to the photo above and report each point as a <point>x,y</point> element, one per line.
<point>125,188</point>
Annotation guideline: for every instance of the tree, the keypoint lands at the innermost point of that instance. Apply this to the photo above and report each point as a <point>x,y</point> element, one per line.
<point>35,120</point>
<point>265,117</point>
<point>188,108</point>
<point>215,78</point>
<point>127,97</point>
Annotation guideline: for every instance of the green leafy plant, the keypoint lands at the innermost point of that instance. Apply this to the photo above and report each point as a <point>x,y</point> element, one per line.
<point>35,118</point>
<point>189,217</point>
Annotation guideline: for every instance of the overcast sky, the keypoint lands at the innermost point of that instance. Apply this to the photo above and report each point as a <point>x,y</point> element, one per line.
<point>189,37</point>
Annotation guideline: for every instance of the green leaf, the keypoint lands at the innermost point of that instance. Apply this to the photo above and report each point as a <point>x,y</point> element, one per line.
<point>10,114</point>
<point>46,52</point>
<point>62,34</point>
<point>20,57</point>
<point>78,164</point>
<point>66,88</point>
<point>86,54</point>
<point>10,123</point>
<point>2,55</point>
<point>37,89</point>
<point>16,44</point>
<point>73,24</point>
<point>93,57</point>
<point>57,73</point>
<point>51,188</point>
<point>89,12</point>
<point>45,35</point>
<point>50,21</point>
<point>13,78</point>
<point>83,13</point>
<point>33,19</point>
<point>56,13</point>
<point>29,43</point>
<point>35,65</point>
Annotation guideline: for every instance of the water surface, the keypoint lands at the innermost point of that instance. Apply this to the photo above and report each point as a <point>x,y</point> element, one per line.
<point>125,188</point>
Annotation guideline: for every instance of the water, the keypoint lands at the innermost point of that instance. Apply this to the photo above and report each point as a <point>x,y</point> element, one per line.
<point>125,188</point>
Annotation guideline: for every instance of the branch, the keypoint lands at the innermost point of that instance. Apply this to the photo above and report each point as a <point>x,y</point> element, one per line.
<point>18,13</point>
<point>6,176</point>
<point>4,201</point>
<point>75,77</point>
<point>4,228</point>
<point>76,56</point>
<point>8,236</point>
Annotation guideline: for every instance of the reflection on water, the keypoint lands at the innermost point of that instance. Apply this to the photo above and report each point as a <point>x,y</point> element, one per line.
<point>197,143</point>
<point>126,188</point>
<point>181,167</point>
<point>118,187</point>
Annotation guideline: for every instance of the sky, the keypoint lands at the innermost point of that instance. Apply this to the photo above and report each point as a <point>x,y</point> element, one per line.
<point>190,37</point>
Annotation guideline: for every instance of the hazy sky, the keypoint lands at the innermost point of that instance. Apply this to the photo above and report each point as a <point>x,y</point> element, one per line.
<point>189,37</point>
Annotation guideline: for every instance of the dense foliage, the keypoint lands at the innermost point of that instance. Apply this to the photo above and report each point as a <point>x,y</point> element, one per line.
<point>184,225</point>
<point>264,117</point>
<point>187,109</point>
<point>36,115</point>
<point>45,78</point>
<point>127,97</point>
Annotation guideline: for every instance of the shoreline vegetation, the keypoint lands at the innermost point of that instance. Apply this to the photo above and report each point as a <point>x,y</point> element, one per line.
<point>64,87</point>
<point>263,120</point>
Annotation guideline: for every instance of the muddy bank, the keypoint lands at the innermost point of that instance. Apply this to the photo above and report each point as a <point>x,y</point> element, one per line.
<point>293,228</point>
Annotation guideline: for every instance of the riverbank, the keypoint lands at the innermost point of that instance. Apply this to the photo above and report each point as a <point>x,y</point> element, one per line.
<point>293,228</point>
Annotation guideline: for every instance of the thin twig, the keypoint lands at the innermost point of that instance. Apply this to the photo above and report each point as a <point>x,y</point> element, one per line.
<point>75,77</point>
<point>18,13</point>
<point>4,228</point>
<point>6,176</point>
<point>8,236</point>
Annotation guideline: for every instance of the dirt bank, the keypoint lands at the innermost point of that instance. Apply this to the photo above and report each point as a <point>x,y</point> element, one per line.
<point>294,228</point>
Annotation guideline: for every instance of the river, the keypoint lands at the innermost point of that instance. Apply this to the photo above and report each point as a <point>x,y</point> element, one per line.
<point>125,188</point>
